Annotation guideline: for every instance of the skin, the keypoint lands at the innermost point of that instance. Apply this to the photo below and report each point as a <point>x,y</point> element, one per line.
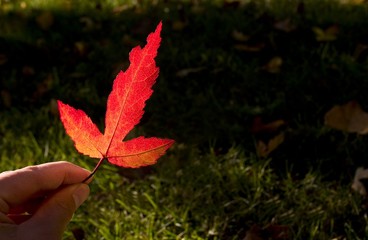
<point>37,202</point>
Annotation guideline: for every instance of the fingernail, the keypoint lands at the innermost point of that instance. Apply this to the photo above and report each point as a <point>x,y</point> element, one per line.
<point>80,194</point>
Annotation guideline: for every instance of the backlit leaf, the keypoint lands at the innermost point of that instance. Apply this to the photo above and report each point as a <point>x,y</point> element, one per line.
<point>125,106</point>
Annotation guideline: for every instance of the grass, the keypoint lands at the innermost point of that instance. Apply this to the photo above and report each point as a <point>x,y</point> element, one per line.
<point>212,184</point>
<point>193,195</point>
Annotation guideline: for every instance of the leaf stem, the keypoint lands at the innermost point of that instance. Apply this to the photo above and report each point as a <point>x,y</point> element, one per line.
<point>94,170</point>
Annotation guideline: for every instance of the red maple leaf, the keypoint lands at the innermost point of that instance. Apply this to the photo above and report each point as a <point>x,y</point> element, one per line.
<point>125,106</point>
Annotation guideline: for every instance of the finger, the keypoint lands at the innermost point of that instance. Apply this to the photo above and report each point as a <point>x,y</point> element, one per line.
<point>8,231</point>
<point>25,211</point>
<point>29,207</point>
<point>55,213</point>
<point>5,219</point>
<point>18,218</point>
<point>18,186</point>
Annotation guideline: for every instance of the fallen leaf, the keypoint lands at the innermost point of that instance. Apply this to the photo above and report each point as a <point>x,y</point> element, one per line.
<point>125,106</point>
<point>274,65</point>
<point>239,36</point>
<point>348,117</point>
<point>80,48</point>
<point>327,35</point>
<point>284,25</point>
<point>258,125</point>
<point>358,185</point>
<point>264,149</point>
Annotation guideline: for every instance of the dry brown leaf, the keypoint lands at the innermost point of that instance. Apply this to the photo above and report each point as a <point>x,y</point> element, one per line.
<point>264,149</point>
<point>258,126</point>
<point>357,184</point>
<point>348,117</point>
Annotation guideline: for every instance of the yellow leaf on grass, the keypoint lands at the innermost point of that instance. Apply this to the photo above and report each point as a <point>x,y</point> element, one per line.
<point>349,117</point>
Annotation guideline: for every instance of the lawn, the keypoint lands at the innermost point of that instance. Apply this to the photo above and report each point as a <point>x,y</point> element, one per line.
<point>244,88</point>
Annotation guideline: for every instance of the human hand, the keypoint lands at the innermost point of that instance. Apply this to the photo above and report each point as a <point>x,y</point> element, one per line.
<point>37,202</point>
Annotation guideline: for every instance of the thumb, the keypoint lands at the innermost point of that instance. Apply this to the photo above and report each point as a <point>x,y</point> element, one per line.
<point>51,219</point>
